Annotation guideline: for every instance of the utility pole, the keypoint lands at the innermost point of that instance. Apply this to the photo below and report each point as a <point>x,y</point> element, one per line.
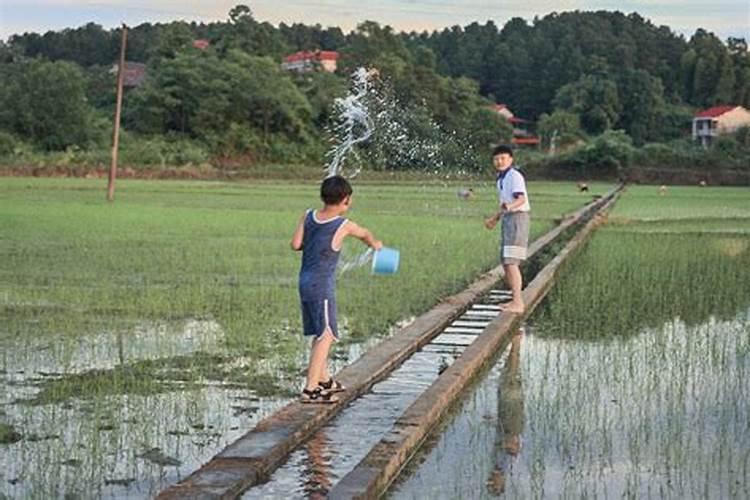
<point>118,110</point>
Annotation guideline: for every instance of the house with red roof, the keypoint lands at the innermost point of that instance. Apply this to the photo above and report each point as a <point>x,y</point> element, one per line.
<point>201,43</point>
<point>718,120</point>
<point>311,60</point>
<point>522,134</point>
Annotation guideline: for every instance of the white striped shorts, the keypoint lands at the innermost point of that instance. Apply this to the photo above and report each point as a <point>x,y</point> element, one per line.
<point>515,237</point>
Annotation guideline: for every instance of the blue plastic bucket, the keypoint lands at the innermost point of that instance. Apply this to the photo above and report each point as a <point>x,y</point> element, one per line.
<point>385,261</point>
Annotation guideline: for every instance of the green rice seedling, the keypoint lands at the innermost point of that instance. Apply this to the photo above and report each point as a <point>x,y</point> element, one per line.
<point>124,326</point>
<point>635,367</point>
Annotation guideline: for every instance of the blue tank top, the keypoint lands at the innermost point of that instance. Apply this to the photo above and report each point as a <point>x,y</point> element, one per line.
<point>317,276</point>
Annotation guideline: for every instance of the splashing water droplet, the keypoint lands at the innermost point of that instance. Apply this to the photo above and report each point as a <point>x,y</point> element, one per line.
<point>356,262</point>
<point>372,127</point>
<point>354,124</point>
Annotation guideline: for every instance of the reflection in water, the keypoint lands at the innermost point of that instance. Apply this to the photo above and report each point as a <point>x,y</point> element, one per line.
<point>663,414</point>
<point>63,352</point>
<point>510,417</point>
<point>636,375</point>
<point>129,444</point>
<point>339,445</point>
<point>125,446</point>
<point>317,469</point>
<point>132,408</point>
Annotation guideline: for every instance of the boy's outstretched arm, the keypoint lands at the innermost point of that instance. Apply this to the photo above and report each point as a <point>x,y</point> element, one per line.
<point>299,232</point>
<point>364,235</point>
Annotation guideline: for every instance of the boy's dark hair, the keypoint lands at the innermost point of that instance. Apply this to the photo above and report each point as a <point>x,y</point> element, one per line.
<point>503,148</point>
<point>334,189</point>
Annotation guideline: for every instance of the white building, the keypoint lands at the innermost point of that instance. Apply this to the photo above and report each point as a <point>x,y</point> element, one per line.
<point>305,61</point>
<point>718,120</point>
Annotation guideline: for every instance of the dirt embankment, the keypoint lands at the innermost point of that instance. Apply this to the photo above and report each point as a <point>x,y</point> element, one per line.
<point>718,177</point>
<point>650,175</point>
<point>124,173</point>
<point>635,175</point>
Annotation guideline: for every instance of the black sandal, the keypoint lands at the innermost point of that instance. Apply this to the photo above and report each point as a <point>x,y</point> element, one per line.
<point>318,396</point>
<point>332,386</point>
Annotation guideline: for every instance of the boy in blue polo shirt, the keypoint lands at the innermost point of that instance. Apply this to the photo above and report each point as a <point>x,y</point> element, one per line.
<point>320,235</point>
<point>514,212</point>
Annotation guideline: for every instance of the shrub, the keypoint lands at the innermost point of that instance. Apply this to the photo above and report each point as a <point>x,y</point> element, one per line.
<point>10,145</point>
<point>162,151</point>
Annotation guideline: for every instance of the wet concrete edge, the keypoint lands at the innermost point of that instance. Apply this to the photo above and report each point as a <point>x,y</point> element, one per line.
<point>372,476</point>
<point>253,457</point>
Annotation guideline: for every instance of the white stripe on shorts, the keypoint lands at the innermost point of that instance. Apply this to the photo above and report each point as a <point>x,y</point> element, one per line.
<point>325,312</point>
<point>514,252</point>
<point>328,323</point>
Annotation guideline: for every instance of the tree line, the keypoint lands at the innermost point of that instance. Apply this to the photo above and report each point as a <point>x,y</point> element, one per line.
<point>577,73</point>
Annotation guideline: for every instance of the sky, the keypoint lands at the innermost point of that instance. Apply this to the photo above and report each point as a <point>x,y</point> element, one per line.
<point>724,17</point>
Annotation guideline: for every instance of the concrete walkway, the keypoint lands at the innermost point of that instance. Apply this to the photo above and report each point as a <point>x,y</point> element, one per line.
<point>252,458</point>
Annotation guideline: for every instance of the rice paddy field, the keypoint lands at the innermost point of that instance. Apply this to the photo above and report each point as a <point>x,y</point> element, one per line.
<point>631,380</point>
<point>138,338</point>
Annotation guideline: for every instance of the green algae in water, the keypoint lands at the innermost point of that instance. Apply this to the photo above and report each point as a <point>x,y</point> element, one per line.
<point>8,434</point>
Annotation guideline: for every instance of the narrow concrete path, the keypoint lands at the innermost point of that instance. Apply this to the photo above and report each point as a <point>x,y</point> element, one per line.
<point>252,458</point>
<point>375,472</point>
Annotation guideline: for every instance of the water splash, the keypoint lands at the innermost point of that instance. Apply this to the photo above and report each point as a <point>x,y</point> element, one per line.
<point>356,262</point>
<point>374,128</point>
<point>354,124</point>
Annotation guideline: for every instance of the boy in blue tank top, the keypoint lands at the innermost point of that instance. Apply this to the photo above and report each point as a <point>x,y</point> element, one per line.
<point>320,235</point>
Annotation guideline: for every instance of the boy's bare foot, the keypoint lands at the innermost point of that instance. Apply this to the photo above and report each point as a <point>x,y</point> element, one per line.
<point>513,307</point>
<point>496,482</point>
<point>317,396</point>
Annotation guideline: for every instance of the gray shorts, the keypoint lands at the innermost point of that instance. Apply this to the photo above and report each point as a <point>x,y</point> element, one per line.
<point>515,237</point>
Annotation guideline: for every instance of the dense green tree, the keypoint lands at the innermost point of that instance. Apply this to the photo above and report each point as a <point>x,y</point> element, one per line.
<point>707,71</point>
<point>10,53</point>
<point>172,39</point>
<point>676,123</point>
<point>302,37</point>
<point>45,102</point>
<point>643,106</point>
<point>485,128</point>
<point>202,95</point>
<point>525,65</point>
<point>741,61</point>
<point>321,90</point>
<point>595,99</point>
<point>87,45</point>
<point>372,43</point>
<point>609,69</point>
<point>101,87</point>
<point>245,33</point>
<point>560,127</point>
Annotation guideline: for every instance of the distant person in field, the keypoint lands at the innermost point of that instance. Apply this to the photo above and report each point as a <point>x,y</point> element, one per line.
<point>514,212</point>
<point>320,235</point>
<point>465,194</point>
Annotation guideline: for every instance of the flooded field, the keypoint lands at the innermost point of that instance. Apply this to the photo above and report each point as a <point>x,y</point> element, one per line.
<point>138,339</point>
<point>631,380</point>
